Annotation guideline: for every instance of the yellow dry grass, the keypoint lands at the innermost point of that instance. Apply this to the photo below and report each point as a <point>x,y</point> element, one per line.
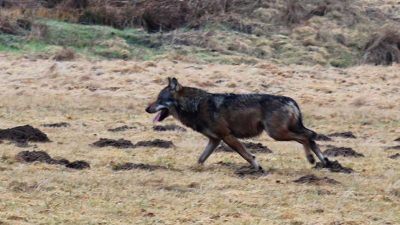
<point>96,95</point>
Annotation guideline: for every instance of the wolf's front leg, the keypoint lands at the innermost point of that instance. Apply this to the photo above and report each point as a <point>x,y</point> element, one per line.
<point>235,144</point>
<point>211,146</point>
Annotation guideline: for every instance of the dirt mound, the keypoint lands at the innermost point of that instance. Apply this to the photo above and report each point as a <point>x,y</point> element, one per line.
<point>78,165</point>
<point>323,137</point>
<point>250,172</point>
<point>23,134</point>
<point>41,156</point>
<point>121,128</point>
<point>312,179</point>
<point>55,125</point>
<point>397,147</point>
<point>251,146</point>
<point>383,48</point>
<point>342,151</point>
<point>155,143</point>
<point>347,134</point>
<point>140,166</point>
<point>334,166</point>
<point>120,143</point>
<point>34,156</point>
<point>169,127</point>
<point>395,156</point>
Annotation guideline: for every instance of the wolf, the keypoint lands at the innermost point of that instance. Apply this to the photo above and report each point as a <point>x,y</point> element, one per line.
<point>230,117</point>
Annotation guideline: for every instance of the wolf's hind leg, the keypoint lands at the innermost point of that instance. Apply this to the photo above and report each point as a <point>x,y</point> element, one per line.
<point>235,144</point>
<point>211,146</point>
<point>309,156</point>
<point>284,134</point>
<point>307,139</point>
<point>314,147</point>
<point>304,140</point>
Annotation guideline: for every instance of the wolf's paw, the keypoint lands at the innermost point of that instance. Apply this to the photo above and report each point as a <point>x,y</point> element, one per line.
<point>311,159</point>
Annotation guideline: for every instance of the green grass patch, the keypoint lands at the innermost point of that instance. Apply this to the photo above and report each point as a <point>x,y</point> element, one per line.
<point>92,41</point>
<point>343,60</point>
<point>97,41</point>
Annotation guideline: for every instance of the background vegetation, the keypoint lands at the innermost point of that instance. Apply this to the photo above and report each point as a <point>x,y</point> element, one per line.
<point>338,33</point>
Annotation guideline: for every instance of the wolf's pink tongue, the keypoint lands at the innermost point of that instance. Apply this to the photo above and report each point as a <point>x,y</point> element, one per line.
<point>157,118</point>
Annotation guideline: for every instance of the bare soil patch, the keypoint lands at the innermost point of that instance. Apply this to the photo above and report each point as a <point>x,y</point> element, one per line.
<point>312,179</point>
<point>334,166</point>
<point>121,128</point>
<point>396,147</point>
<point>120,143</point>
<point>395,156</point>
<point>346,134</point>
<point>23,134</point>
<point>139,166</point>
<point>342,151</point>
<point>41,156</point>
<point>155,143</point>
<point>34,156</point>
<point>56,125</point>
<point>169,127</point>
<point>251,146</point>
<point>78,165</point>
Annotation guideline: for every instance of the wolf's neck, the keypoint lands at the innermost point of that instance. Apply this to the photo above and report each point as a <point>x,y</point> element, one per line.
<point>190,99</point>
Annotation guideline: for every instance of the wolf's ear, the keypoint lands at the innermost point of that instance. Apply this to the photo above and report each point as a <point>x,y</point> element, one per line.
<point>173,84</point>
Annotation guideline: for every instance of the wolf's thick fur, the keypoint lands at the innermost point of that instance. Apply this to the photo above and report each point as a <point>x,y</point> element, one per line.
<point>228,117</point>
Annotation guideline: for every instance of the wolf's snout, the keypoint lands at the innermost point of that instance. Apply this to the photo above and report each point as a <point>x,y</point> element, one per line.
<point>149,109</point>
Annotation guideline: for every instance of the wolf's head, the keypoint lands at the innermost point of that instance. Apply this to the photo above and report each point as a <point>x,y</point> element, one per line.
<point>166,100</point>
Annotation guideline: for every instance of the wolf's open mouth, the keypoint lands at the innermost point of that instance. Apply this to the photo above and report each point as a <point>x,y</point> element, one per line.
<point>164,113</point>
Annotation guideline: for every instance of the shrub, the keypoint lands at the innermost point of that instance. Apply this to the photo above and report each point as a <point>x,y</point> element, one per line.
<point>383,48</point>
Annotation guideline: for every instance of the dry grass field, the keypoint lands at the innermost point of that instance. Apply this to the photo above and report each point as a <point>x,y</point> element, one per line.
<point>96,95</point>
